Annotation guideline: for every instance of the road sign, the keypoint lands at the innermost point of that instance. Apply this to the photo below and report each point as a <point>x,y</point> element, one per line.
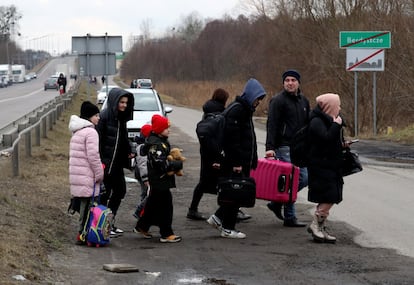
<point>365,59</point>
<point>365,39</point>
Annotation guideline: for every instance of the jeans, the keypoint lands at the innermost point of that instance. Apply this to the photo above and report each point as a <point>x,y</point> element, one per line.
<point>283,153</point>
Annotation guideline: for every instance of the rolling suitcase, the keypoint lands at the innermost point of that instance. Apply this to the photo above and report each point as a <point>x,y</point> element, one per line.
<point>276,180</point>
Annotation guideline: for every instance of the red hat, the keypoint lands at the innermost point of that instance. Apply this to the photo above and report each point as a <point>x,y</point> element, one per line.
<point>146,130</point>
<point>159,124</point>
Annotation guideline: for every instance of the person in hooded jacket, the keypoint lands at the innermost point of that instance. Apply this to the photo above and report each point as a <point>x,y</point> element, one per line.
<point>85,166</point>
<point>240,151</point>
<point>115,149</point>
<point>325,162</point>
<point>210,164</point>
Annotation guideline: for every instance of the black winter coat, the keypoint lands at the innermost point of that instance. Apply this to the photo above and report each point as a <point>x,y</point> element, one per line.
<point>114,145</point>
<point>325,159</point>
<point>240,147</point>
<point>287,114</point>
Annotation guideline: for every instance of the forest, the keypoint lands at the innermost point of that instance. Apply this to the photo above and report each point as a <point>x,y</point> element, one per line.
<point>201,55</point>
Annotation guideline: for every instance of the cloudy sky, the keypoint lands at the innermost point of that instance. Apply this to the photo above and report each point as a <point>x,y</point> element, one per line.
<point>49,25</point>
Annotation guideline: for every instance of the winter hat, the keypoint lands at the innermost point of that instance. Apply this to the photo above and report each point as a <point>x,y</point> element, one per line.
<point>329,103</point>
<point>146,130</point>
<point>291,72</point>
<point>88,110</point>
<point>159,124</point>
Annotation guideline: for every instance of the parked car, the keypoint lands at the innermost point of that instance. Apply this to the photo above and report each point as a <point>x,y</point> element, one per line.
<point>101,96</point>
<point>51,83</point>
<point>144,83</point>
<point>147,103</point>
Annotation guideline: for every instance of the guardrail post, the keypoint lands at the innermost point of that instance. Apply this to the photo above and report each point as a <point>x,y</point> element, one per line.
<point>28,143</point>
<point>44,128</point>
<point>15,160</point>
<point>7,140</point>
<point>50,119</point>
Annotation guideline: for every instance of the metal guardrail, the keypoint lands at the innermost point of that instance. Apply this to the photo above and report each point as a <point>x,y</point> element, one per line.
<point>40,121</point>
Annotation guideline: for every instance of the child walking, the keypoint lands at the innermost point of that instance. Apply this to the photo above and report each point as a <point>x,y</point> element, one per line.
<point>141,170</point>
<point>158,209</point>
<point>85,166</point>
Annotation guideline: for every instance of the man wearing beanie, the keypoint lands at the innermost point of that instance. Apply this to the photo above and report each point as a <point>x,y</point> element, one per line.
<point>115,148</point>
<point>85,167</point>
<point>158,209</point>
<point>288,112</point>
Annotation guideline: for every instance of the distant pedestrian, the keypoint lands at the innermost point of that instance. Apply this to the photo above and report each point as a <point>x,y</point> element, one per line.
<point>325,162</point>
<point>61,81</point>
<point>115,149</point>
<point>158,209</point>
<point>288,112</point>
<point>85,167</point>
<point>103,79</point>
<point>240,151</point>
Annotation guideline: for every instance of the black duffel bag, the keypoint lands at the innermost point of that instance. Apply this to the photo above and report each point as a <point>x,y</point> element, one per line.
<point>239,191</point>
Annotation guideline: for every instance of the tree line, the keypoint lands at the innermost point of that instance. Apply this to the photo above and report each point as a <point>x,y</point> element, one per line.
<point>281,34</point>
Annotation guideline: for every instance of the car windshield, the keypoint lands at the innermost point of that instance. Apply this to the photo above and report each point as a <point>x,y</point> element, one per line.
<point>145,102</point>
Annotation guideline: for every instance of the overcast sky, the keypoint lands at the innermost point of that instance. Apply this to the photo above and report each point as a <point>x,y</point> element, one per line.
<point>49,25</point>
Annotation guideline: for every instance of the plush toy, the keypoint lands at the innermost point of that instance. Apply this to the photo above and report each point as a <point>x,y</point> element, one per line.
<point>175,154</point>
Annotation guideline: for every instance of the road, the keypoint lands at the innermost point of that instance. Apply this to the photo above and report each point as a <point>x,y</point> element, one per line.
<point>377,201</point>
<point>22,98</point>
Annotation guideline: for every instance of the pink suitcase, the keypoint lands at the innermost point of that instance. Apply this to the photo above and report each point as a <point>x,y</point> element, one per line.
<point>276,180</point>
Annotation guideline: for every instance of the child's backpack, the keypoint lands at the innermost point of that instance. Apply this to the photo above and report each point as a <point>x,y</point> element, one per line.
<point>210,132</point>
<point>99,224</point>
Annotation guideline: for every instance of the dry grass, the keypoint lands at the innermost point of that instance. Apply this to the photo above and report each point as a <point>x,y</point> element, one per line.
<point>33,206</point>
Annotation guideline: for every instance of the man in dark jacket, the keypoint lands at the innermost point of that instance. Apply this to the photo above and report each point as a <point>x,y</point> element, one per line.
<point>114,147</point>
<point>288,112</point>
<point>240,151</point>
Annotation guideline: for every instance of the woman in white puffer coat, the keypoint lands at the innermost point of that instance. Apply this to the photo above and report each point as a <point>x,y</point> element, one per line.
<point>85,166</point>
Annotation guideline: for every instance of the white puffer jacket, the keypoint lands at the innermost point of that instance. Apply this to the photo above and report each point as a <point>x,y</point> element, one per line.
<point>85,166</point>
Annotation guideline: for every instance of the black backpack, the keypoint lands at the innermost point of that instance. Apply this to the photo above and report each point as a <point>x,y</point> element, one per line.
<point>210,132</point>
<point>300,146</point>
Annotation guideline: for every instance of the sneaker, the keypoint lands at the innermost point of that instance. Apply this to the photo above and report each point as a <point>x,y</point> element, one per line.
<point>171,238</point>
<point>145,234</point>
<point>241,216</point>
<point>80,240</point>
<point>232,234</point>
<point>195,215</point>
<point>214,221</point>
<point>117,231</point>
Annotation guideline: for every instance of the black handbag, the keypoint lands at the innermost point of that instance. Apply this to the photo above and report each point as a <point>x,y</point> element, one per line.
<point>239,191</point>
<point>350,163</point>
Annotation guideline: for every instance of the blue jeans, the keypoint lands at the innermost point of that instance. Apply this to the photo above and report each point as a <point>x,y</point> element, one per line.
<point>283,153</point>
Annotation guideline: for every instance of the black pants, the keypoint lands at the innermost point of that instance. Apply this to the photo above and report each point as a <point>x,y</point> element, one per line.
<point>115,190</point>
<point>158,211</point>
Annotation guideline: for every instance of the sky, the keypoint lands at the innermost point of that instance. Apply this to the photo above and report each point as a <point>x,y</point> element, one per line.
<point>49,25</point>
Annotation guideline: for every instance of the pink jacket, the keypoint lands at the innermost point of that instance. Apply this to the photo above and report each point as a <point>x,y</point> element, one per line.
<point>85,166</point>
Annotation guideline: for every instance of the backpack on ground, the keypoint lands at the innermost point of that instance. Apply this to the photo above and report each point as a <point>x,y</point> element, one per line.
<point>300,146</point>
<point>210,132</point>
<point>99,224</point>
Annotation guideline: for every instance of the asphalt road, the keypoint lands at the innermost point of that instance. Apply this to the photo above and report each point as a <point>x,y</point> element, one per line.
<point>271,253</point>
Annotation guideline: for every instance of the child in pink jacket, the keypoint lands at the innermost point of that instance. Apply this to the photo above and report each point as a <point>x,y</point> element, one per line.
<point>85,166</point>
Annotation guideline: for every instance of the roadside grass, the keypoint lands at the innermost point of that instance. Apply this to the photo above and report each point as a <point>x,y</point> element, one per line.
<point>33,205</point>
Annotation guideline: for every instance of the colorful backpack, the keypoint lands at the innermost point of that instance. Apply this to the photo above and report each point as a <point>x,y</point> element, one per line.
<point>99,224</point>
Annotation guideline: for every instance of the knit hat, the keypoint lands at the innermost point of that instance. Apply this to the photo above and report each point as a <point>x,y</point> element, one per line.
<point>329,103</point>
<point>146,130</point>
<point>88,110</point>
<point>291,72</point>
<point>159,124</point>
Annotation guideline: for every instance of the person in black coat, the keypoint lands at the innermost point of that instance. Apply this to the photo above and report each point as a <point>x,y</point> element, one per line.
<point>325,162</point>
<point>61,81</point>
<point>210,165</point>
<point>240,152</point>
<point>114,147</point>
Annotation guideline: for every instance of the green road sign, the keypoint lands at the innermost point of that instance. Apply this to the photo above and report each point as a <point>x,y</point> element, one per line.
<point>365,39</point>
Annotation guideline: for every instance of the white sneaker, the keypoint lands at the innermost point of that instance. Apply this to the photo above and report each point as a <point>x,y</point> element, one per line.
<point>232,234</point>
<point>214,221</point>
